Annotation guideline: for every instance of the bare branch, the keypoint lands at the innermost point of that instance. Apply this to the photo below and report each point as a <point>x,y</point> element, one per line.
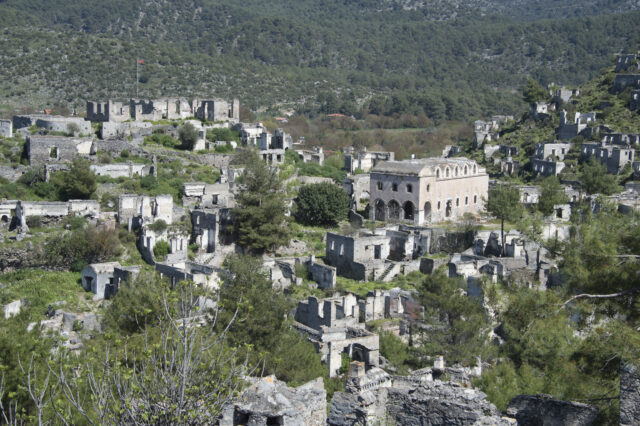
<point>601,296</point>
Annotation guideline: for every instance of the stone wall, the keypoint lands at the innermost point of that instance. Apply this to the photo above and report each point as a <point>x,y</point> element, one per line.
<point>116,130</point>
<point>127,170</point>
<point>65,124</point>
<point>629,395</point>
<point>53,149</point>
<point>533,410</point>
<point>6,128</point>
<point>12,173</point>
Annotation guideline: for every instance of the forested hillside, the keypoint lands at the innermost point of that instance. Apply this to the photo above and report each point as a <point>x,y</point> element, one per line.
<point>450,59</point>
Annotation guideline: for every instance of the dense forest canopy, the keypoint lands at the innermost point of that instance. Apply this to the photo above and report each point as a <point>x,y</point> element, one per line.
<point>466,58</point>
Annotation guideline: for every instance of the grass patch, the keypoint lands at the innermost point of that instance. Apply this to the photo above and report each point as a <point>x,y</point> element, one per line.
<point>41,289</point>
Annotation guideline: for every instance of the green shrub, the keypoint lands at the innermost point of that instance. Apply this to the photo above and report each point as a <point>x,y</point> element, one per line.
<point>34,221</point>
<point>161,250</point>
<point>158,226</point>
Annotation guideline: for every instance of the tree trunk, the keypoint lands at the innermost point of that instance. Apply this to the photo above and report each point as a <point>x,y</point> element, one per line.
<point>502,236</point>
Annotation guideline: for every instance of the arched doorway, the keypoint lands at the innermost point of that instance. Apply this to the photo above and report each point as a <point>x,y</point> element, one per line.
<point>380,210</point>
<point>408,210</point>
<point>394,210</point>
<point>427,211</point>
<point>447,211</point>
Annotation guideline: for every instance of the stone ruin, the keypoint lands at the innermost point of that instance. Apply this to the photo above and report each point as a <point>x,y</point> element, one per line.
<point>104,279</point>
<point>333,326</point>
<point>53,149</point>
<point>373,397</point>
<point>164,108</point>
<point>282,272</point>
<point>134,209</point>
<point>53,123</point>
<point>365,160</point>
<point>6,128</point>
<point>268,401</point>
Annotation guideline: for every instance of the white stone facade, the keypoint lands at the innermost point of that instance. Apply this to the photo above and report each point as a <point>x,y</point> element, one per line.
<point>427,190</point>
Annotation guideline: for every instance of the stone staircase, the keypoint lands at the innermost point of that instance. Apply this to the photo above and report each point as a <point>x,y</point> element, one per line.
<point>387,272</point>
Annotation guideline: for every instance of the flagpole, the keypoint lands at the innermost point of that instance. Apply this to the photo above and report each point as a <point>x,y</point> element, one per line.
<point>137,64</point>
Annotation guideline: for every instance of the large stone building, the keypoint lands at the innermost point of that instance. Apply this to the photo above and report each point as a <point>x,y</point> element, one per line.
<point>427,190</point>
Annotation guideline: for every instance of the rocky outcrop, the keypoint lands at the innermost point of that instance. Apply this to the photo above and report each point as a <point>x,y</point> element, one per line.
<point>544,410</point>
<point>269,401</point>
<point>629,395</point>
<point>441,403</point>
<point>408,402</point>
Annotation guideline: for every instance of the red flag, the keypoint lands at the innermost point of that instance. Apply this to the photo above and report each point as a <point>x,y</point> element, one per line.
<point>140,61</point>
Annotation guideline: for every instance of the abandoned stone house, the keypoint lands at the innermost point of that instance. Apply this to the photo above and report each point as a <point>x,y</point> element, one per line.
<point>394,303</point>
<point>509,166</point>
<point>136,210</point>
<point>552,151</point>
<point>282,271</point>
<point>627,62</point>
<point>53,149</point>
<point>107,111</point>
<point>206,195</point>
<point>313,155</point>
<point>333,326</point>
<point>187,270</point>
<point>209,228</point>
<point>620,138</point>
<point>357,187</point>
<point>6,128</point>
<point>541,110</point>
<point>104,279</point>
<point>485,131</point>
<point>569,129</point>
<point>268,401</point>
<point>217,110</point>
<point>359,257</point>
<point>635,100</point>
<point>563,95</point>
<point>365,160</point>
<point>176,237</point>
<point>427,190</point>
<point>380,256</point>
<point>546,167</point>
<point>614,157</point>
<point>271,147</point>
<point>621,82</point>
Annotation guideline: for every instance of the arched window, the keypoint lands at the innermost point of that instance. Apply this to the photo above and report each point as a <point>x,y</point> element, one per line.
<point>466,200</point>
<point>455,171</point>
<point>438,205</point>
<point>466,170</point>
<point>437,173</point>
<point>474,169</point>
<point>428,187</point>
<point>475,199</point>
<point>446,172</point>
<point>457,202</point>
<point>380,185</point>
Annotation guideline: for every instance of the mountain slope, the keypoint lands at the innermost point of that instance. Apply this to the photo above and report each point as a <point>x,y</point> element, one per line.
<point>63,51</point>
